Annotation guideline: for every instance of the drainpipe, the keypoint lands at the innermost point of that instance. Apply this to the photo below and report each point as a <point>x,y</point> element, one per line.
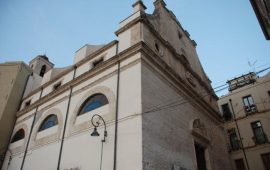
<point>237,127</point>
<point>116,109</point>
<point>31,130</point>
<point>65,125</point>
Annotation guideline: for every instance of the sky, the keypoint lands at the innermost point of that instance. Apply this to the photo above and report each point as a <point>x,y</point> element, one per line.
<point>230,40</point>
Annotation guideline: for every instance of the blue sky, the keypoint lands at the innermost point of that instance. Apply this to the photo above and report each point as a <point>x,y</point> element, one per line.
<point>227,32</point>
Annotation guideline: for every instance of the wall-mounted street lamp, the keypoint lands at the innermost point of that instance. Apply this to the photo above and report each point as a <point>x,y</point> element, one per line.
<point>96,122</point>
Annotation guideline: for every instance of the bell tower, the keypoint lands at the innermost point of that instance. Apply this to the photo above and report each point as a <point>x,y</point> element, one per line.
<point>40,65</point>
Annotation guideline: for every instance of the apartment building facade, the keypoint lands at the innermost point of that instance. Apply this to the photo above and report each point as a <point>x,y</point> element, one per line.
<point>246,112</point>
<point>13,79</point>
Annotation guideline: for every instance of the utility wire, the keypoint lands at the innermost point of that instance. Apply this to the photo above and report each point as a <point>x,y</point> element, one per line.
<point>152,111</point>
<point>258,72</point>
<point>220,86</point>
<point>183,101</point>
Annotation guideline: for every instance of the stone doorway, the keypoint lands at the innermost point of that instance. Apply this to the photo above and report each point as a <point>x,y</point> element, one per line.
<point>200,156</point>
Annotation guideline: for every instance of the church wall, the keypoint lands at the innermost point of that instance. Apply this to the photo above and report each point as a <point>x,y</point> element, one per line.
<point>177,66</point>
<point>125,40</point>
<point>43,158</point>
<point>16,150</point>
<point>167,130</point>
<point>33,99</point>
<point>178,38</point>
<point>33,83</point>
<point>65,79</point>
<point>79,141</point>
<point>88,65</point>
<point>80,150</point>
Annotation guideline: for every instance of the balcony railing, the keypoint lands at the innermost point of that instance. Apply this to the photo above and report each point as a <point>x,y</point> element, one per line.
<point>260,139</point>
<point>227,115</point>
<point>235,145</point>
<point>250,109</point>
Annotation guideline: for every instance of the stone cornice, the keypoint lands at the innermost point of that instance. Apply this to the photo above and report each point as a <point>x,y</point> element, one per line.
<point>72,68</point>
<point>130,24</point>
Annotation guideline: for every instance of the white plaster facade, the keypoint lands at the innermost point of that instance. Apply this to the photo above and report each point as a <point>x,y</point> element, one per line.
<point>145,70</point>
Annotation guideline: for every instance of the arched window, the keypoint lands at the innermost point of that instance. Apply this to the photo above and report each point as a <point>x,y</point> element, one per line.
<point>93,102</point>
<point>42,71</point>
<point>49,122</point>
<point>18,136</point>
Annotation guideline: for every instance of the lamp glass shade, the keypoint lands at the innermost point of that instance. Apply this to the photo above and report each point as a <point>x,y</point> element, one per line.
<point>95,133</point>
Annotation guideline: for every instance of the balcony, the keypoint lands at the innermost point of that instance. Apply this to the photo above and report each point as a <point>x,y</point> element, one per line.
<point>260,139</point>
<point>235,145</point>
<point>227,115</point>
<point>250,109</point>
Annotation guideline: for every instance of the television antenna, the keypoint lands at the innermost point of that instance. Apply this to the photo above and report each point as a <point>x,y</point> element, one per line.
<point>252,65</point>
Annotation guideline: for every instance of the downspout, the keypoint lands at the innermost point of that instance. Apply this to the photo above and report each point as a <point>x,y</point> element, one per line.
<point>31,130</point>
<point>116,109</point>
<point>65,125</point>
<point>237,127</point>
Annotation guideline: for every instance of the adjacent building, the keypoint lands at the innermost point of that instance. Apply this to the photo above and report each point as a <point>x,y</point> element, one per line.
<point>246,111</point>
<point>13,79</point>
<point>262,11</point>
<point>141,102</point>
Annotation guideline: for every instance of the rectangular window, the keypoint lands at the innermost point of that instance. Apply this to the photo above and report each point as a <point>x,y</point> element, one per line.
<point>234,142</point>
<point>227,115</point>
<point>266,160</point>
<point>249,105</point>
<point>26,104</point>
<point>259,135</point>
<point>269,94</point>
<point>57,85</point>
<point>239,164</point>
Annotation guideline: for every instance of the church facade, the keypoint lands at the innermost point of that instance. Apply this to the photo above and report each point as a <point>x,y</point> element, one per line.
<point>142,102</point>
